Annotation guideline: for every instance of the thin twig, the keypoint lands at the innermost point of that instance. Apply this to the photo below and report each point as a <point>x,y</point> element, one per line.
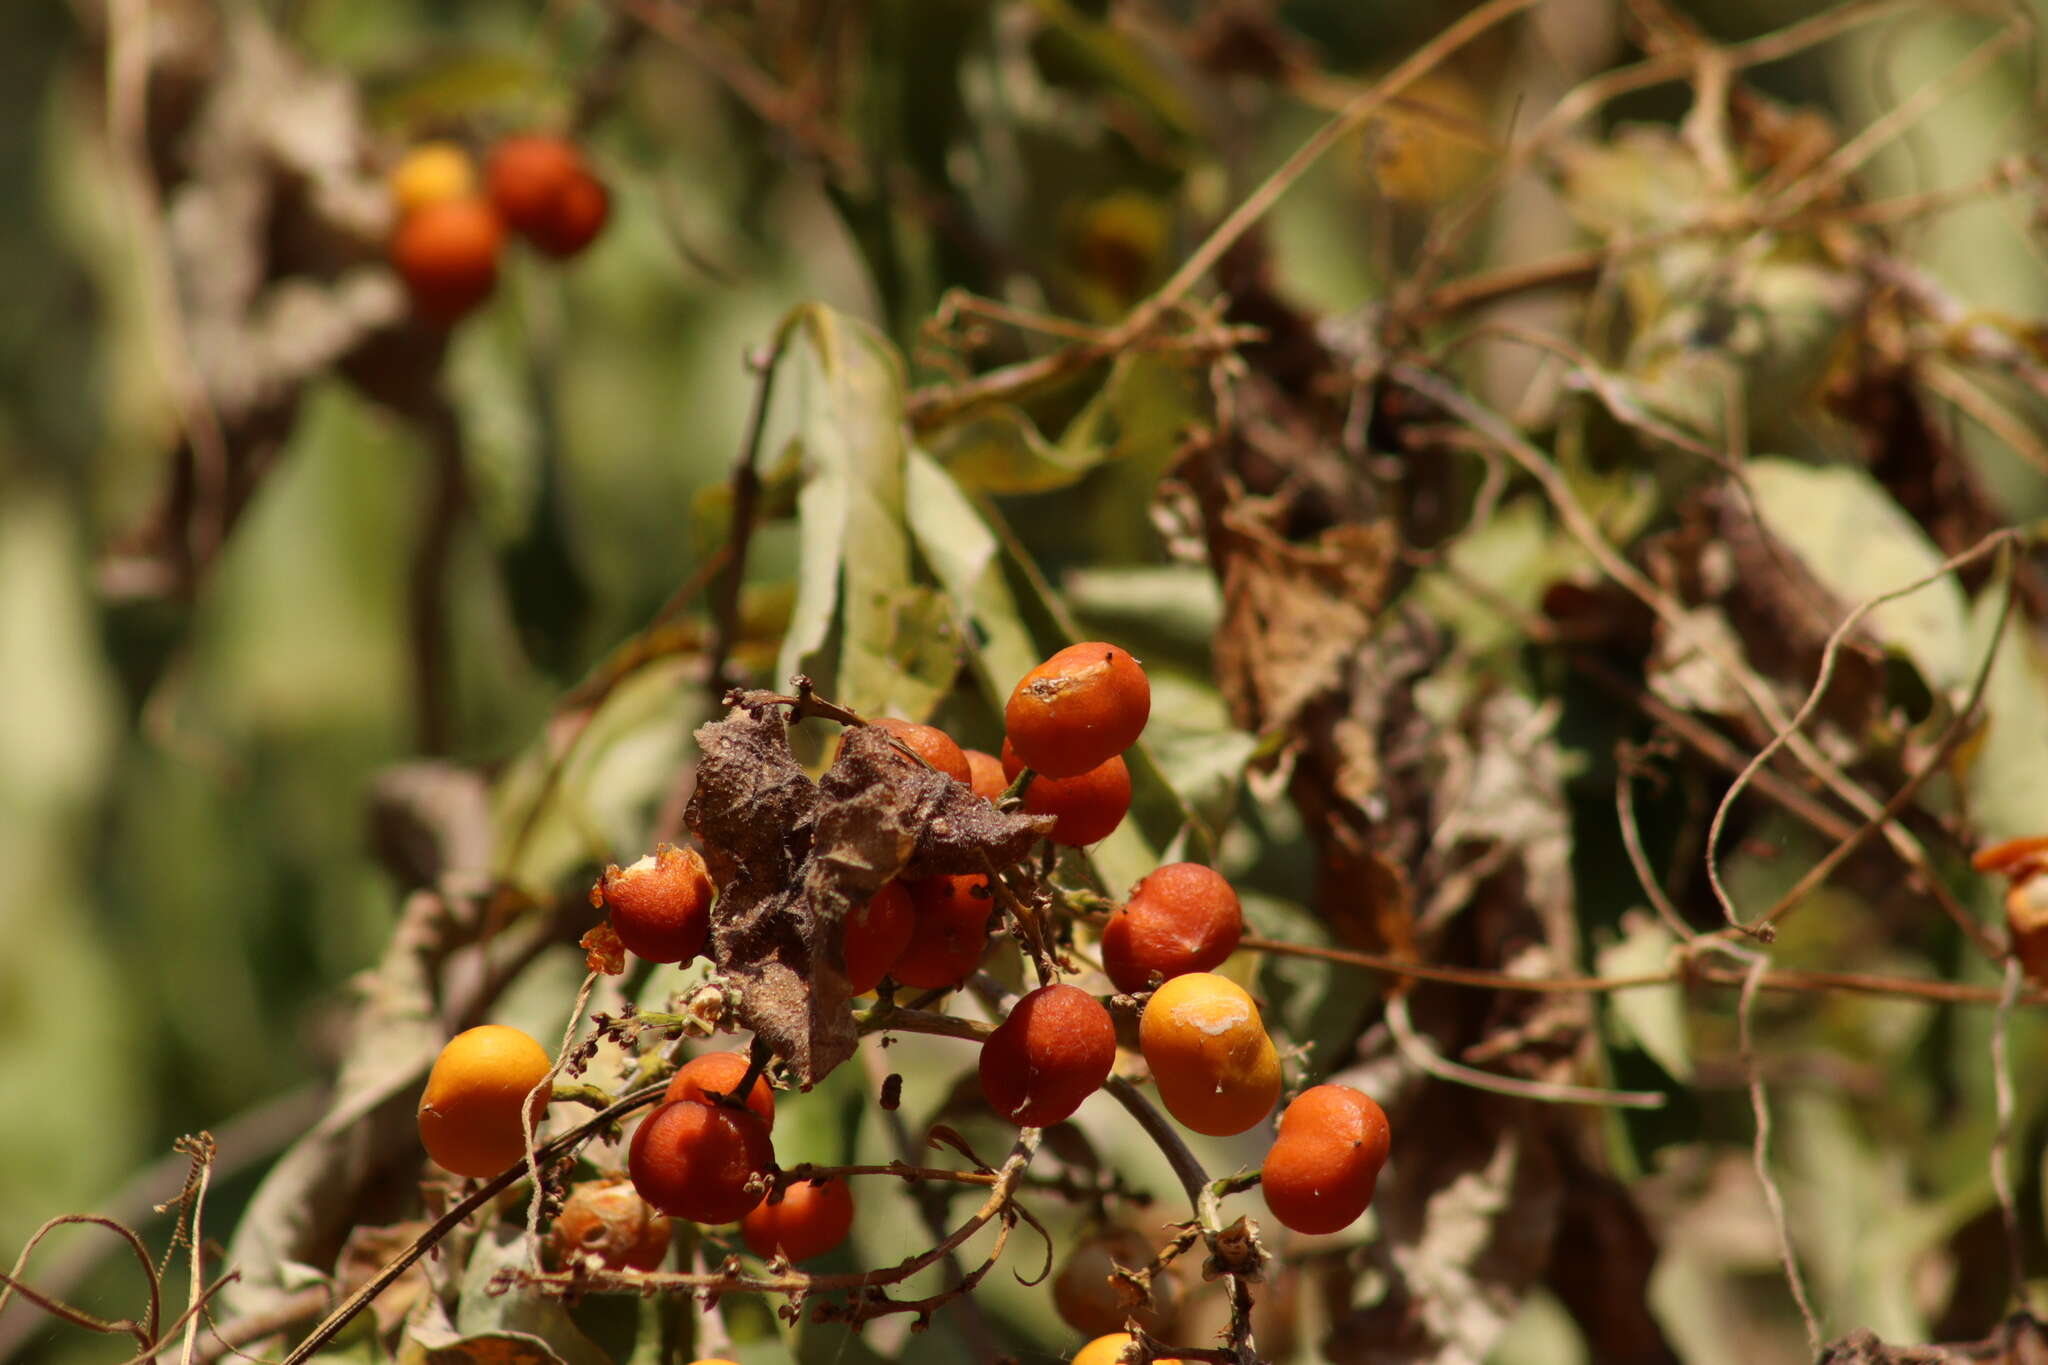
<point>1760,1152</point>
<point>746,493</point>
<point>1426,1058</point>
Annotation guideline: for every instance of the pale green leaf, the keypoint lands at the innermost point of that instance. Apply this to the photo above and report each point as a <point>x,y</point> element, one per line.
<point>1652,1017</point>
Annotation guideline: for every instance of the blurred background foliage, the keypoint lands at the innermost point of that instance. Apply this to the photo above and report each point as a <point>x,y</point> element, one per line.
<point>186,763</point>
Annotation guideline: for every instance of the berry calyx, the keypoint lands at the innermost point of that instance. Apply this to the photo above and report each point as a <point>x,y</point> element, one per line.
<point>447,254</point>
<point>660,907</point>
<point>1086,808</point>
<point>1320,1175</point>
<point>1216,1068</point>
<point>1080,708</point>
<point>1182,918</point>
<point>720,1073</point>
<point>951,933</point>
<point>876,935</point>
<point>694,1160</point>
<point>1052,1053</point>
<point>482,1083</point>
<point>804,1219</point>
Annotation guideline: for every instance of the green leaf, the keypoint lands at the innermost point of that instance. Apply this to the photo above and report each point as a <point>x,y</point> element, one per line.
<point>1858,543</point>
<point>967,560</point>
<point>1653,1017</point>
<point>524,1328</point>
<point>1001,450</point>
<point>2008,782</point>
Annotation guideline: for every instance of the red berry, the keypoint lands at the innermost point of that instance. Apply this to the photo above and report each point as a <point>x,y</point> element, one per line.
<point>1319,1177</point>
<point>876,935</point>
<point>805,1219</point>
<point>1053,1052</point>
<point>986,774</point>
<point>720,1073</point>
<point>447,253</point>
<point>660,906</point>
<point>931,744</point>
<point>951,933</point>
<point>693,1160</point>
<point>1086,808</point>
<point>1083,706</point>
<point>580,209</point>
<point>1182,918</point>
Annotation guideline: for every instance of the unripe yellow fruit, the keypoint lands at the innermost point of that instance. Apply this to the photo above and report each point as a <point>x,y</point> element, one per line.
<point>470,1113</point>
<point>430,173</point>
<point>1109,1350</point>
<point>1216,1068</point>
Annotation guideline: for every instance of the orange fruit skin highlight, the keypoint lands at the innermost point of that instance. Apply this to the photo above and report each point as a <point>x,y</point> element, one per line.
<point>806,1220</point>
<point>447,254</point>
<point>1079,709</point>
<point>693,1160</point>
<point>1320,1174</point>
<point>951,933</point>
<point>721,1073</point>
<point>1053,1052</point>
<point>986,774</point>
<point>1216,1068</point>
<point>876,935</point>
<point>1085,808</point>
<point>1109,1350</point>
<point>470,1112</point>
<point>1182,918</point>
<point>660,907</point>
<point>933,745</point>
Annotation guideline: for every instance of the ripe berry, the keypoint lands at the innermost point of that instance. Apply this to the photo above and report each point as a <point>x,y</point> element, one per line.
<point>720,1073</point>
<point>1053,1052</point>
<point>986,774</point>
<point>931,744</point>
<point>1109,1350</point>
<point>951,933</point>
<point>447,253</point>
<point>693,1160</point>
<point>876,935</point>
<point>609,1219</point>
<point>546,193</point>
<point>1320,1174</point>
<point>1216,1068</point>
<point>1086,807</point>
<point>1182,918</point>
<point>1085,1297</point>
<point>430,173</point>
<point>660,906</point>
<point>1083,706</point>
<point>470,1114</point>
<point>2021,862</point>
<point>805,1219</point>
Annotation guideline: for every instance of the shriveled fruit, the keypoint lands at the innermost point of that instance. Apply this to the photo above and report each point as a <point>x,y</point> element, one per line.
<point>720,1073</point>
<point>1083,706</point>
<point>931,744</point>
<point>609,1220</point>
<point>985,774</point>
<point>660,907</point>
<point>1216,1068</point>
<point>951,932</point>
<point>430,173</point>
<point>1086,1296</point>
<point>693,1160</point>
<point>1320,1174</point>
<point>1053,1052</point>
<point>876,935</point>
<point>1182,918</point>
<point>1109,1350</point>
<point>447,254</point>
<point>1085,808</point>
<point>802,1220</point>
<point>470,1113</point>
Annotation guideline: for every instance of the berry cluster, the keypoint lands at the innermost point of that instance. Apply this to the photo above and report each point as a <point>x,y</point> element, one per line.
<point>450,233</point>
<point>706,1152</point>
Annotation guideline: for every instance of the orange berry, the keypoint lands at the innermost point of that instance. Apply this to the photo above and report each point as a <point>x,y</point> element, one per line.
<point>1053,1052</point>
<point>1085,808</point>
<point>693,1160</point>
<point>1085,1297</point>
<point>430,173</point>
<point>986,774</point>
<point>660,906</point>
<point>1182,918</point>
<point>578,215</point>
<point>1109,1350</point>
<point>1319,1177</point>
<point>526,174</point>
<point>1216,1068</point>
<point>951,933</point>
<point>805,1219</point>
<point>720,1073</point>
<point>1083,706</point>
<point>931,744</point>
<point>609,1219</point>
<point>876,935</point>
<point>447,254</point>
<point>470,1113</point>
